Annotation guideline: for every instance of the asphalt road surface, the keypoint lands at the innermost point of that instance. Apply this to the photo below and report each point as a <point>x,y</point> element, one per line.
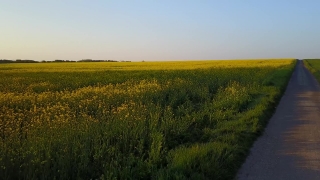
<point>290,146</point>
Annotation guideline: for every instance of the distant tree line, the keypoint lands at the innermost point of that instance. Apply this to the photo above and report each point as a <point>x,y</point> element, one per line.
<point>57,60</point>
<point>91,60</point>
<point>18,61</point>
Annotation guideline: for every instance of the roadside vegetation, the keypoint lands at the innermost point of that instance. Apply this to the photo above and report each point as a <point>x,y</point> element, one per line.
<point>313,65</point>
<point>161,120</point>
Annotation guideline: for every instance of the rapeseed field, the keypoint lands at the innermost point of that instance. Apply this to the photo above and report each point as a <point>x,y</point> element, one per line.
<point>134,120</point>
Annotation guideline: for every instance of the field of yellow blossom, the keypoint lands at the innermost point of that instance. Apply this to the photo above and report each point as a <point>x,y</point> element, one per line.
<point>134,120</point>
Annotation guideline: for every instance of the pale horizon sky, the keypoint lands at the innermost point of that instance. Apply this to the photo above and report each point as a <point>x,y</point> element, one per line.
<point>159,30</point>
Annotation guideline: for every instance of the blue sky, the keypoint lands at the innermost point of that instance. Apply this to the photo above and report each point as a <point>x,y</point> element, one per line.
<point>159,30</point>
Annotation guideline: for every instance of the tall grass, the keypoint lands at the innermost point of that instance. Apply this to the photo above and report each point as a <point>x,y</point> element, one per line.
<point>134,124</point>
<point>313,65</point>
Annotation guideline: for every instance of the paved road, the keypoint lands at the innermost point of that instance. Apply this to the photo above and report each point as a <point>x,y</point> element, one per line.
<point>289,149</point>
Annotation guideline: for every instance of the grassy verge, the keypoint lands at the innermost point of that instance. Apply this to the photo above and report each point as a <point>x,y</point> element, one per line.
<point>313,65</point>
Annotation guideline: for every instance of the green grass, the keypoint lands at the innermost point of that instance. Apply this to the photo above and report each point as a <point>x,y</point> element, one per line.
<point>167,122</point>
<point>313,65</point>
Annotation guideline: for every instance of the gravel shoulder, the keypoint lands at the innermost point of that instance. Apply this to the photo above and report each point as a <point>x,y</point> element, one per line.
<point>290,145</point>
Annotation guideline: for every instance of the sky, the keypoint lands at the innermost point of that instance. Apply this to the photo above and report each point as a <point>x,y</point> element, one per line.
<point>159,30</point>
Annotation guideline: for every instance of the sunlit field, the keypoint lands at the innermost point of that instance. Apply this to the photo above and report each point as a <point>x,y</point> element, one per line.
<point>170,65</point>
<point>134,120</point>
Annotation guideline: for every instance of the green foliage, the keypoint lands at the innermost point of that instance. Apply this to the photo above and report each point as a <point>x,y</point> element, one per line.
<point>313,65</point>
<point>151,124</point>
